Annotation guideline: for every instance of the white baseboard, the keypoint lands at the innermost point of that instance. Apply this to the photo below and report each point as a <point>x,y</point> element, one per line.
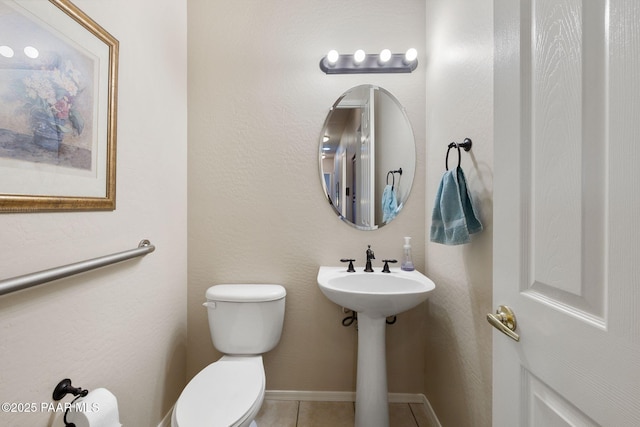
<point>350,396</point>
<point>166,421</point>
<point>431,415</point>
<point>337,396</point>
<point>318,396</point>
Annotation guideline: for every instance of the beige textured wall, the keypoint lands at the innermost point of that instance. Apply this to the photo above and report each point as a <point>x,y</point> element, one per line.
<point>459,105</point>
<point>257,102</point>
<point>122,327</point>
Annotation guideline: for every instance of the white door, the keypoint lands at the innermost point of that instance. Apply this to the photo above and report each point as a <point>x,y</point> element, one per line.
<point>567,212</point>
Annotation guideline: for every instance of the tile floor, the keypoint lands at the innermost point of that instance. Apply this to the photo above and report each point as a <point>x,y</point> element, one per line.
<point>294,413</point>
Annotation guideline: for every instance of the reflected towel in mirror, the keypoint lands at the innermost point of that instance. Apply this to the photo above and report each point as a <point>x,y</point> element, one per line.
<point>389,204</point>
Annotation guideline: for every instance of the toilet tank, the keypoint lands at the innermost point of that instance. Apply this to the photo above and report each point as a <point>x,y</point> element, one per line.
<point>245,319</point>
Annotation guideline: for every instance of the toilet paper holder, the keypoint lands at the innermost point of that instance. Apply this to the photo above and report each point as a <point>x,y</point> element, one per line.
<point>64,387</point>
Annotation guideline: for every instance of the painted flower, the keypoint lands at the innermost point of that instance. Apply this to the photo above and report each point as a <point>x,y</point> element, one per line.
<point>62,108</point>
<point>52,92</point>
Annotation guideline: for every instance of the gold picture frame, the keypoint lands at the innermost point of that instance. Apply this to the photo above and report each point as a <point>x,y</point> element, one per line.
<point>58,109</point>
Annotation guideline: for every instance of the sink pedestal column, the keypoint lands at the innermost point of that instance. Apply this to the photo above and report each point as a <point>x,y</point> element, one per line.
<point>372,406</point>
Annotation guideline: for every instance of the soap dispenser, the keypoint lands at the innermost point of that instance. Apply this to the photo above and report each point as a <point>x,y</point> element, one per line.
<point>407,261</point>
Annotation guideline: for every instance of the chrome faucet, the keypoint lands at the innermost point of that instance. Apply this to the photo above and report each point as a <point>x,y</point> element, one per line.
<point>370,256</point>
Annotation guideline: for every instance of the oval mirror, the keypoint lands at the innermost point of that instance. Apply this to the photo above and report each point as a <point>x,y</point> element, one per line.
<point>367,157</point>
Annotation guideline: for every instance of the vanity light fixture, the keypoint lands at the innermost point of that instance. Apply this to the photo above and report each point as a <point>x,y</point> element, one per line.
<point>362,63</point>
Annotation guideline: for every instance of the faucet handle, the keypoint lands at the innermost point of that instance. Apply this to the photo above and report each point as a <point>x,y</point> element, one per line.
<point>385,269</point>
<point>350,269</point>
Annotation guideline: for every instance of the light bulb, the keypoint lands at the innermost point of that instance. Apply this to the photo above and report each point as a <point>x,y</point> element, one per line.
<point>31,52</point>
<point>410,55</point>
<point>385,56</point>
<point>6,51</point>
<point>332,56</point>
<point>359,56</point>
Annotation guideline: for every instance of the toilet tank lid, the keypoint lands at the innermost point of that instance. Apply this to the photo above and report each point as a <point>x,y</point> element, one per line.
<point>245,293</point>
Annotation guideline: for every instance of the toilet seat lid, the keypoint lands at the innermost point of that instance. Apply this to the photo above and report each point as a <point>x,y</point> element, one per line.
<point>222,393</point>
<point>246,293</point>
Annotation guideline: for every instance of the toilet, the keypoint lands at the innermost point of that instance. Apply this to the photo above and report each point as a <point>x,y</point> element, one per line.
<point>245,321</point>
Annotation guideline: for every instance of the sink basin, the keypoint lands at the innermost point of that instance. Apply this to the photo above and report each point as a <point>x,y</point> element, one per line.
<point>376,294</point>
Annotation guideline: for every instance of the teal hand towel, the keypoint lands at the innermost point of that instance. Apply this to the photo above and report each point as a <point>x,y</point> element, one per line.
<point>389,204</point>
<point>454,216</point>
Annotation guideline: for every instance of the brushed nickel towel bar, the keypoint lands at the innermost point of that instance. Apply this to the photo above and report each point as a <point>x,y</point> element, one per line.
<point>33,279</point>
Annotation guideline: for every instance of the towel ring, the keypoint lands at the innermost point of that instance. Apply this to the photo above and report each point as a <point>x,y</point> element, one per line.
<point>466,145</point>
<point>446,161</point>
<point>393,176</point>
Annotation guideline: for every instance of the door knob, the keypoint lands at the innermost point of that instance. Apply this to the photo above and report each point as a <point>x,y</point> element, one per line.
<point>505,321</point>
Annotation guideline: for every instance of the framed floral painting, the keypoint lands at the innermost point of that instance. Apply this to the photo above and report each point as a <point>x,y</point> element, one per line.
<point>58,94</point>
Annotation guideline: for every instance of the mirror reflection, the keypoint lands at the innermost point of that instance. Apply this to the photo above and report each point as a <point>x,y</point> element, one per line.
<point>367,157</point>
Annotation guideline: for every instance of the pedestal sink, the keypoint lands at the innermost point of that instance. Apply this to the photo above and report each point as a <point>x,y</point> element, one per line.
<point>374,296</point>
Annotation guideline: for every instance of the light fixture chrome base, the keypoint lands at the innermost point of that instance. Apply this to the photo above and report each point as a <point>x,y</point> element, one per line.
<point>371,64</point>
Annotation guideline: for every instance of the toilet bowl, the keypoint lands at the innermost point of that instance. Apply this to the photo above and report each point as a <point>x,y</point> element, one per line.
<point>245,321</point>
<point>226,393</point>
